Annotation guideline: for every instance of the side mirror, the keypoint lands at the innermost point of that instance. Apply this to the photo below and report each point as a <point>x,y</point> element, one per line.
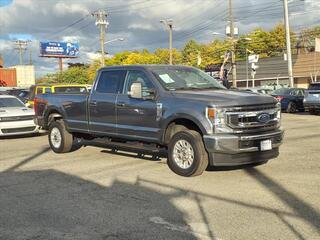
<point>136,90</point>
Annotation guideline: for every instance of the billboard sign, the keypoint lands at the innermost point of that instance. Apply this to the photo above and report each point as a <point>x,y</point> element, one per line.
<point>59,49</point>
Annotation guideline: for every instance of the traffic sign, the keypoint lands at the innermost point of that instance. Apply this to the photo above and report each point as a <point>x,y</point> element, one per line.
<point>253,58</point>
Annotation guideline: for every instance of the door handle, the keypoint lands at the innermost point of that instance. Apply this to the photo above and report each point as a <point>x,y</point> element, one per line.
<point>121,104</point>
<point>93,104</point>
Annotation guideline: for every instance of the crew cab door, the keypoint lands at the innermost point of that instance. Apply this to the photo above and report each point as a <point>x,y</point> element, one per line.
<point>137,118</point>
<point>101,103</point>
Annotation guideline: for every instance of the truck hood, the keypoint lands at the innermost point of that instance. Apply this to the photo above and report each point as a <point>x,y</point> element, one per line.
<point>16,111</point>
<point>225,98</point>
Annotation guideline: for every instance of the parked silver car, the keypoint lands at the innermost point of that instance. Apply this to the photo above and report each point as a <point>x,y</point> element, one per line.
<point>15,117</point>
<point>312,98</point>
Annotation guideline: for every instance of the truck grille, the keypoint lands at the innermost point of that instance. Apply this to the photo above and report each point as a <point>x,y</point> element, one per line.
<point>16,118</point>
<point>252,118</point>
<point>17,130</point>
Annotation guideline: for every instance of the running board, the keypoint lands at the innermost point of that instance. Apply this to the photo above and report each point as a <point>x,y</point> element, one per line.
<point>136,147</point>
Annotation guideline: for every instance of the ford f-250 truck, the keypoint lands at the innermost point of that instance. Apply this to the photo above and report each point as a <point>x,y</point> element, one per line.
<point>180,109</point>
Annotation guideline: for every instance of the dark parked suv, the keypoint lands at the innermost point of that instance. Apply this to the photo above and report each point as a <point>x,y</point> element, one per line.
<point>176,108</point>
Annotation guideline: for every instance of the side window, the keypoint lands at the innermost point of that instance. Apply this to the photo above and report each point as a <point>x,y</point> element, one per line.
<point>32,93</point>
<point>301,92</point>
<point>138,76</point>
<point>47,90</point>
<point>39,90</point>
<point>111,81</point>
<point>293,92</point>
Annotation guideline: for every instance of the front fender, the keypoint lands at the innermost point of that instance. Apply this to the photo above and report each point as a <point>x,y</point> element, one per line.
<point>196,117</point>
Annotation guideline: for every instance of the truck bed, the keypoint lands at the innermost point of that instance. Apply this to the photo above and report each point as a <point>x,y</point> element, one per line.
<point>72,106</point>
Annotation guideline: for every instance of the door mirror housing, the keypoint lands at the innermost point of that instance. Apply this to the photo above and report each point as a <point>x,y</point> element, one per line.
<point>136,90</point>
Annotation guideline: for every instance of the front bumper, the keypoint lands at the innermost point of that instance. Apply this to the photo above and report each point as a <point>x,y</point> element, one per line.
<point>311,105</point>
<point>18,128</point>
<point>231,149</point>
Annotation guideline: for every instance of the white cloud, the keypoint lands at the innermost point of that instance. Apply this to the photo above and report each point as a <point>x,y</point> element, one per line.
<point>92,56</point>
<point>63,8</point>
<point>142,26</point>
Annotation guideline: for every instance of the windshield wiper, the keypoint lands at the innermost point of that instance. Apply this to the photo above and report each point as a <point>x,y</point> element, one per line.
<point>188,88</point>
<point>212,88</point>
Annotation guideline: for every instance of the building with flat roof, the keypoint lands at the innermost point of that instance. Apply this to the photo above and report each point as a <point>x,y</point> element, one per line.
<point>274,70</point>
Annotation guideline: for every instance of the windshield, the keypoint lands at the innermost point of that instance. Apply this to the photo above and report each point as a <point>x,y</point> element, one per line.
<point>281,91</point>
<point>185,78</point>
<point>314,87</point>
<point>10,102</point>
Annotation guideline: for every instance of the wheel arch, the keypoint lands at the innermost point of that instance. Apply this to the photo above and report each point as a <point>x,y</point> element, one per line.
<point>186,121</point>
<point>51,115</point>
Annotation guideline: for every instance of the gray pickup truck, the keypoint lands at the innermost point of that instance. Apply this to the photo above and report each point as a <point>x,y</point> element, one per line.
<point>197,121</point>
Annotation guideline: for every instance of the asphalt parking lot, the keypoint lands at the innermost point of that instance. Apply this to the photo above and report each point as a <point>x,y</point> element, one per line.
<point>95,194</point>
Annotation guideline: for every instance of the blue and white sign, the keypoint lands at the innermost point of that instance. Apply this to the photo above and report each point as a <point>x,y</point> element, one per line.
<point>59,49</point>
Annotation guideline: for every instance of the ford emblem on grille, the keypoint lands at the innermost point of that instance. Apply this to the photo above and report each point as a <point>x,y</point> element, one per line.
<point>263,117</point>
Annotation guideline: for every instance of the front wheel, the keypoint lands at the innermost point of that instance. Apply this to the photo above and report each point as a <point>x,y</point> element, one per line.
<point>292,107</point>
<point>186,154</point>
<point>60,140</point>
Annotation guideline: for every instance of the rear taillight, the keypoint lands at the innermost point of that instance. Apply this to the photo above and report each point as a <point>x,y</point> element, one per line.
<point>279,98</point>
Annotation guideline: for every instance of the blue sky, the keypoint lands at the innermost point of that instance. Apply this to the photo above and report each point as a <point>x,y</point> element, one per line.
<point>135,20</point>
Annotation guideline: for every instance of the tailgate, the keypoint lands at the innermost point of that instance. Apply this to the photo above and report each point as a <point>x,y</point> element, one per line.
<point>312,96</point>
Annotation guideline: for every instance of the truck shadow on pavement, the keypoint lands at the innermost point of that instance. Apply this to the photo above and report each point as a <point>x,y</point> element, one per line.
<point>299,206</point>
<point>48,204</point>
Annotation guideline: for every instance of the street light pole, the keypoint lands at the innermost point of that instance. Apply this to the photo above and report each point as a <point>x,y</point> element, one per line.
<point>233,55</point>
<point>247,66</point>
<point>169,25</point>
<point>288,40</point>
<point>113,40</point>
<point>170,43</point>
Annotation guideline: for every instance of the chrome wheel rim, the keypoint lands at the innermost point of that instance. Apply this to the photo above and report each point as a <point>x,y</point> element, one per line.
<point>183,154</point>
<point>55,137</point>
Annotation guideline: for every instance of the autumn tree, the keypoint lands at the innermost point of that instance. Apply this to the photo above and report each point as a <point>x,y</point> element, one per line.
<point>164,55</point>
<point>190,53</point>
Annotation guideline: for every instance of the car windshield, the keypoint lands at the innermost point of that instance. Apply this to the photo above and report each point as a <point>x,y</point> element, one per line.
<point>185,78</point>
<point>284,91</point>
<point>10,102</point>
<point>314,87</point>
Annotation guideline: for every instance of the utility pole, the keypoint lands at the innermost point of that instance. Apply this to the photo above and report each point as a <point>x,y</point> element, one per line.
<point>102,23</point>
<point>60,64</point>
<point>30,56</point>
<point>21,45</point>
<point>233,55</point>
<point>169,25</point>
<point>288,40</point>
<point>247,66</point>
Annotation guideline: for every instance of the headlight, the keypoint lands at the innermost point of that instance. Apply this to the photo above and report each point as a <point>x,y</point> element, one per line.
<point>278,113</point>
<point>217,119</point>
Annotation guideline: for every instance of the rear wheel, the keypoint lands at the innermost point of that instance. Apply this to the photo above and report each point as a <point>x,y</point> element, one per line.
<point>292,107</point>
<point>312,111</point>
<point>60,140</point>
<point>186,153</point>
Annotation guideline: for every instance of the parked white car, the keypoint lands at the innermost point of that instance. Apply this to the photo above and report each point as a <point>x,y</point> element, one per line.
<point>15,117</point>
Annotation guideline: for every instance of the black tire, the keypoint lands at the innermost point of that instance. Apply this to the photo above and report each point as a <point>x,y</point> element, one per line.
<point>67,142</point>
<point>200,160</point>
<point>292,107</point>
<point>312,112</point>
